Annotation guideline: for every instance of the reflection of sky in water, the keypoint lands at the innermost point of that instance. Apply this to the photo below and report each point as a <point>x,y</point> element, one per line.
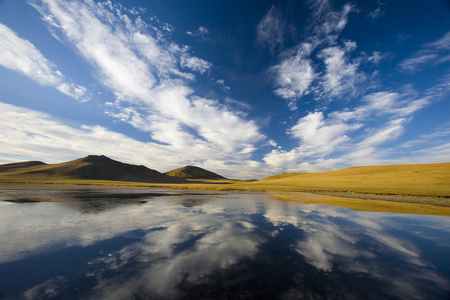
<point>215,246</point>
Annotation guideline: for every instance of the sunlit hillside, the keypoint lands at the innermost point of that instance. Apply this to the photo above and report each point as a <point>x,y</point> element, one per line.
<point>193,172</point>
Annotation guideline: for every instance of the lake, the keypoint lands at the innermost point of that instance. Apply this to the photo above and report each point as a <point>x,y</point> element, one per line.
<point>177,244</point>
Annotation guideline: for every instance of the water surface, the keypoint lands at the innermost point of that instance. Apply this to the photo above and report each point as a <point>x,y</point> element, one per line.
<point>165,244</point>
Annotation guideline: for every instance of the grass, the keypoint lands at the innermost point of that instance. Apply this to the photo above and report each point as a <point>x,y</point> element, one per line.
<point>418,180</point>
<point>419,188</point>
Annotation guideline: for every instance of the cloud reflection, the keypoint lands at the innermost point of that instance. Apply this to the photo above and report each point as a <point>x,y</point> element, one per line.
<point>169,246</point>
<point>337,239</point>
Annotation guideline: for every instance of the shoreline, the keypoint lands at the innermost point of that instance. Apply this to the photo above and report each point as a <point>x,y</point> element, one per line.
<point>393,203</point>
<point>442,201</point>
<point>367,204</point>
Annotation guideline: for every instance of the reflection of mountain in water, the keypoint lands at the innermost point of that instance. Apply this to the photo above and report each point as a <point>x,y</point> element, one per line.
<point>195,199</point>
<point>97,200</point>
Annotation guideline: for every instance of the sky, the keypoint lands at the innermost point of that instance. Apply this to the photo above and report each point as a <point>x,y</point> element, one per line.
<point>246,89</point>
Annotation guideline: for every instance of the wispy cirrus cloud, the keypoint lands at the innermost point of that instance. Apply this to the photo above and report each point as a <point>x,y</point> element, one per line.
<point>440,134</point>
<point>376,14</point>
<point>22,56</point>
<point>328,24</point>
<point>377,57</point>
<point>147,73</point>
<point>270,30</point>
<point>432,53</point>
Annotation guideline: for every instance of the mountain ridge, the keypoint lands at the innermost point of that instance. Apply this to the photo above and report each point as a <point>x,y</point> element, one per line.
<point>194,172</point>
<point>91,167</point>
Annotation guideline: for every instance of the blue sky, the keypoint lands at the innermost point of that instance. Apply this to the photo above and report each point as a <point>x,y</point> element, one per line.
<point>243,88</point>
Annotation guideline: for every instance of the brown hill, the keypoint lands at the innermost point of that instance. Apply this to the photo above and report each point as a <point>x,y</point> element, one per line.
<point>192,172</point>
<point>90,167</point>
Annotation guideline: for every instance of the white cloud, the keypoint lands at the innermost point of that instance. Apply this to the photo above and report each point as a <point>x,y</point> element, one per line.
<point>294,75</point>
<point>222,84</point>
<point>432,53</point>
<point>319,7</point>
<point>441,134</point>
<point>270,30</point>
<point>141,67</point>
<point>328,24</point>
<point>26,134</point>
<point>417,61</point>
<point>348,137</point>
<point>435,154</point>
<point>382,104</point>
<point>442,43</point>
<point>376,57</point>
<point>299,74</point>
<point>341,77</point>
<point>388,133</point>
<point>39,136</point>
<point>195,64</point>
<point>20,55</point>
<point>441,88</point>
<point>318,137</point>
<point>201,32</point>
<point>376,14</point>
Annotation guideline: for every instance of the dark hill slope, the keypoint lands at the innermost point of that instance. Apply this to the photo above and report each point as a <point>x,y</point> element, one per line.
<point>192,172</point>
<point>91,167</point>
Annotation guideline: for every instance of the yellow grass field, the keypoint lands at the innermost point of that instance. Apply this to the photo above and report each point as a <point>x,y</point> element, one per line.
<point>418,179</point>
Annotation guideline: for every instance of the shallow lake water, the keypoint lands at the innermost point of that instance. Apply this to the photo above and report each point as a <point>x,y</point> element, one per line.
<point>171,244</point>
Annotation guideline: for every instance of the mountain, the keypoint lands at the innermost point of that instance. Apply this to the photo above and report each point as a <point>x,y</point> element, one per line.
<point>192,172</point>
<point>90,167</point>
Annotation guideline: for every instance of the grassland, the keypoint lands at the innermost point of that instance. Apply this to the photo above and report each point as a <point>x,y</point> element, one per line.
<point>419,188</point>
<point>417,180</point>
